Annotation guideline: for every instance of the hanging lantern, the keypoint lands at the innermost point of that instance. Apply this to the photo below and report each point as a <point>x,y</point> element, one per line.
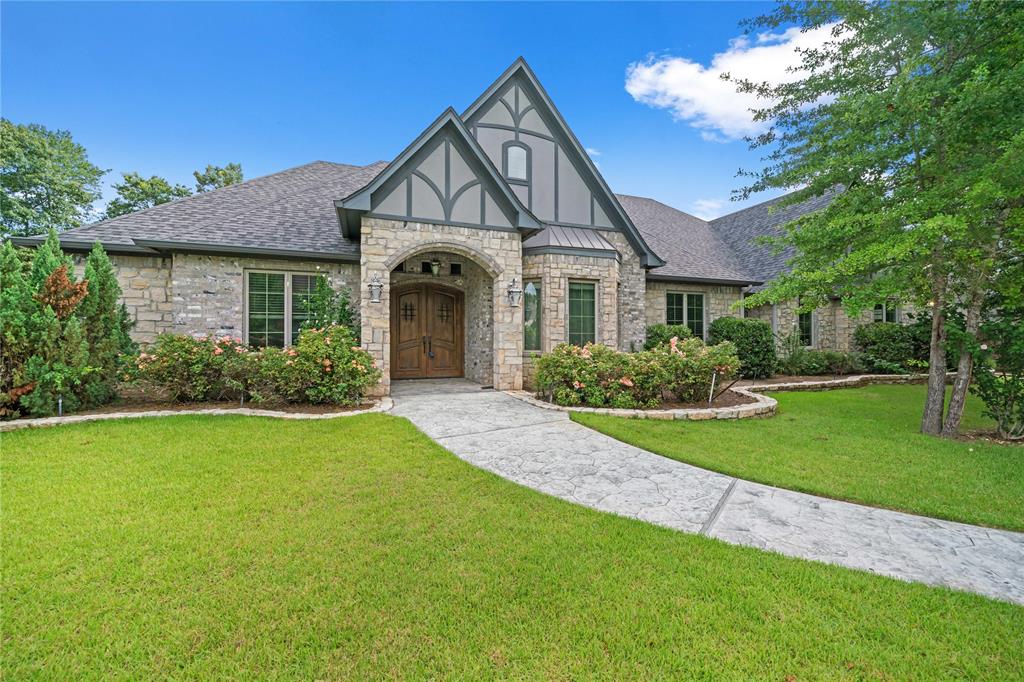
<point>515,293</point>
<point>376,287</point>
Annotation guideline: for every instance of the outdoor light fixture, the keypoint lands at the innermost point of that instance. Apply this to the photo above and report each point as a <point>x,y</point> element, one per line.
<point>376,286</point>
<point>515,292</point>
<point>435,267</point>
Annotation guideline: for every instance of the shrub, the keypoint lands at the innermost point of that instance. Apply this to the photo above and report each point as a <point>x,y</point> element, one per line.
<point>889,346</point>
<point>330,307</point>
<point>661,334</point>
<point>325,366</point>
<point>999,371</point>
<point>754,341</point>
<point>599,376</point>
<point>54,342</point>
<point>796,360</point>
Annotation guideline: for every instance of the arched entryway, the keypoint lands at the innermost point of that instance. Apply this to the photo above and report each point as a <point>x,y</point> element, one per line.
<point>427,331</point>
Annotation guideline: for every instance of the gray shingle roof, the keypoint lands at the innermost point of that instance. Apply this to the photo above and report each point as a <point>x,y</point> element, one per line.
<point>740,230</point>
<point>292,210</point>
<point>693,250</point>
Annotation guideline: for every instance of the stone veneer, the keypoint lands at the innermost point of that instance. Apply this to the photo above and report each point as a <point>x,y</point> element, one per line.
<point>478,317</point>
<point>718,300</point>
<point>833,328</point>
<point>208,292</point>
<point>385,243</point>
<point>145,286</point>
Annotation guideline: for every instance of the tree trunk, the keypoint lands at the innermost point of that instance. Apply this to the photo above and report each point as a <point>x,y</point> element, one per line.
<point>965,367</point>
<point>931,421</point>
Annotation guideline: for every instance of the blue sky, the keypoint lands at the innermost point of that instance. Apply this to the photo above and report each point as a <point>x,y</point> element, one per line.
<point>167,88</point>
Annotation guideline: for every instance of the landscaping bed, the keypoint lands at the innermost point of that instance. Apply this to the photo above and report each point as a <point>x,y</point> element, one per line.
<point>239,547</point>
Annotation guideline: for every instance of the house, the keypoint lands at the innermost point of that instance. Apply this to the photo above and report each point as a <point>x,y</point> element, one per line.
<point>492,237</point>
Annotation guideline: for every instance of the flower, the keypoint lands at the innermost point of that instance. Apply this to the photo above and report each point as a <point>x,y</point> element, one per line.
<point>626,381</point>
<point>578,385</point>
<point>218,350</point>
<point>239,349</point>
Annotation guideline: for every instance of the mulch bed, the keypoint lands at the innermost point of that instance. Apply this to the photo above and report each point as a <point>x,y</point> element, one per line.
<point>727,399</point>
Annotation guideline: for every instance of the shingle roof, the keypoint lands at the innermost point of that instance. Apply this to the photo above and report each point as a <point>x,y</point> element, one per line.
<point>693,250</point>
<point>292,210</point>
<point>740,230</point>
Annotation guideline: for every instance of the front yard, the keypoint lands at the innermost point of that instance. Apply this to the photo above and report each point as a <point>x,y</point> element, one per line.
<point>857,444</point>
<point>213,547</point>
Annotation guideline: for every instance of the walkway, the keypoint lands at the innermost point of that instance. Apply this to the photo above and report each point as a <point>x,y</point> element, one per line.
<point>544,450</point>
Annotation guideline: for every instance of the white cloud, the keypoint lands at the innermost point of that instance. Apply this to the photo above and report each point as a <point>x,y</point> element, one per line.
<point>593,154</point>
<point>696,93</point>
<point>707,209</point>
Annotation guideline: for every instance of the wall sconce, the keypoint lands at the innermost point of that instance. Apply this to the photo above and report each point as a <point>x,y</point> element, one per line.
<point>375,286</point>
<point>435,268</point>
<point>515,292</point>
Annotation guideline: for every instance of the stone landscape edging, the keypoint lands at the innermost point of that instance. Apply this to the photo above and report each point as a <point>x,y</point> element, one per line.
<point>381,405</point>
<point>763,406</point>
<point>852,381</point>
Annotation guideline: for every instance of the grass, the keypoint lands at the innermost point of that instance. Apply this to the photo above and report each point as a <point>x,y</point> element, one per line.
<point>856,444</point>
<point>240,547</point>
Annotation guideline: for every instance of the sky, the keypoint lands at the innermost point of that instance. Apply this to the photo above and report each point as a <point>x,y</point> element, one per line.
<point>167,88</point>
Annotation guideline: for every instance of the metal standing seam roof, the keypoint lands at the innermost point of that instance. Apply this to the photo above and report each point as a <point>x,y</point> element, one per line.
<point>570,240</point>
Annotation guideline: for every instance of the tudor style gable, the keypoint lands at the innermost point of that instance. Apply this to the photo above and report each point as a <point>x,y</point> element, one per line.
<point>526,138</point>
<point>442,177</point>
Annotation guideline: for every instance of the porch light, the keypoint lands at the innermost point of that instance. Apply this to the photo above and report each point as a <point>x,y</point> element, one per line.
<point>515,292</point>
<point>376,286</point>
<point>435,267</point>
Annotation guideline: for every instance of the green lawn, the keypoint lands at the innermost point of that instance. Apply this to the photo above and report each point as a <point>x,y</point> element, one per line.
<point>234,547</point>
<point>852,444</point>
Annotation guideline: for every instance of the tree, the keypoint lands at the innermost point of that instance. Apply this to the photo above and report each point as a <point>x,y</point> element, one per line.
<point>215,177</point>
<point>104,324</point>
<point>135,193</point>
<point>911,110</point>
<point>46,178</point>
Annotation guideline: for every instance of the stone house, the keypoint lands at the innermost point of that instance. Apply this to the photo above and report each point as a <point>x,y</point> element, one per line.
<point>491,238</point>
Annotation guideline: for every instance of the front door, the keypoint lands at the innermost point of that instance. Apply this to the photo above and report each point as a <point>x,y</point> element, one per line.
<point>426,332</point>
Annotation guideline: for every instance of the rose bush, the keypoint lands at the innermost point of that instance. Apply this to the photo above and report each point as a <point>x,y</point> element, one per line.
<point>325,366</point>
<point>598,376</point>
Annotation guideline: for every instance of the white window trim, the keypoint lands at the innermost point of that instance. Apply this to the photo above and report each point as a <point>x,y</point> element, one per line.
<point>288,274</point>
<point>686,307</point>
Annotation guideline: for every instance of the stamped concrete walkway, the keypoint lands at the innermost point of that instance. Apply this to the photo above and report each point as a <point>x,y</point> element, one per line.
<point>544,450</point>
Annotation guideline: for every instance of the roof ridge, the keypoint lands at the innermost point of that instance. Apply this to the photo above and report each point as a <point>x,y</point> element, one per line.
<point>659,201</point>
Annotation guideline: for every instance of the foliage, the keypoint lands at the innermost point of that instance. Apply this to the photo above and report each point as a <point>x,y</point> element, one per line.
<point>661,334</point>
<point>855,444</point>
<point>107,323</point>
<point>754,341</point>
<point>323,367</point>
<point>796,360</point>
<point>599,376</point>
<point>891,347</point>
<point>999,370</point>
<point>328,306</point>
<point>215,177</point>
<point>135,193</point>
<point>46,178</point>
<point>910,117</point>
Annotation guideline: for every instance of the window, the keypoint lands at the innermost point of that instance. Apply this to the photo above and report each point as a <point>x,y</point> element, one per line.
<point>686,309</point>
<point>886,312</point>
<point>582,328</point>
<point>805,327</point>
<point>517,162</point>
<point>277,303</point>
<point>531,316</point>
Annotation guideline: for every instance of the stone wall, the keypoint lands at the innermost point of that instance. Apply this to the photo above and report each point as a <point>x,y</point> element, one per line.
<point>632,295</point>
<point>478,319</point>
<point>385,243</point>
<point>718,300</point>
<point>833,328</point>
<point>208,292</point>
<point>145,283</point>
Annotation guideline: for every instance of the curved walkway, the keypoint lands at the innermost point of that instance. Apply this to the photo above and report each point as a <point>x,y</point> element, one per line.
<point>546,451</point>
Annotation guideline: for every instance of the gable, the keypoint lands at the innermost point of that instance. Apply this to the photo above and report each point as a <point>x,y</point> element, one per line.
<point>561,185</point>
<point>443,177</point>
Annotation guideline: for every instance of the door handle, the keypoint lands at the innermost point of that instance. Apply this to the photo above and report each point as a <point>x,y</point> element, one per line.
<point>430,346</point>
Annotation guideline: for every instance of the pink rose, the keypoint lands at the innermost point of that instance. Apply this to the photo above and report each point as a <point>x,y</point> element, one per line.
<point>626,381</point>
<point>218,350</point>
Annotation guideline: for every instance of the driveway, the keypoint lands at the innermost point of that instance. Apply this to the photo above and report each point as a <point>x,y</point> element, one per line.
<point>545,450</point>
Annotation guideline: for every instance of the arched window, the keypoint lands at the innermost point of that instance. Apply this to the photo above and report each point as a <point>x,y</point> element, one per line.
<point>517,162</point>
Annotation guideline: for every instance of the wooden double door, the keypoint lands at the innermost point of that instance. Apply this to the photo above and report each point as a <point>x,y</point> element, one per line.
<point>426,332</point>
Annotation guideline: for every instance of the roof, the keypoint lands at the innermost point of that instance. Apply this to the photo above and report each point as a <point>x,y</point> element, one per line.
<point>289,211</point>
<point>578,241</point>
<point>741,229</point>
<point>694,252</point>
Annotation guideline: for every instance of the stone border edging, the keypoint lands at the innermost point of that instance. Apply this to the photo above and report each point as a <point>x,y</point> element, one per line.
<point>763,407</point>
<point>382,405</point>
<point>852,381</point>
